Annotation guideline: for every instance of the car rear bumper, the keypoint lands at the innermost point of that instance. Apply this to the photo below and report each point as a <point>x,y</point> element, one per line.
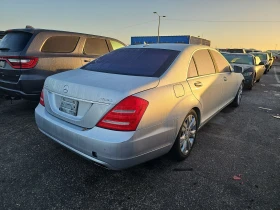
<point>113,149</point>
<point>27,87</point>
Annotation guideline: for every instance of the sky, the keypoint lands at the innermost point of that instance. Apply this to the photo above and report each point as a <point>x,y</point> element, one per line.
<point>227,23</point>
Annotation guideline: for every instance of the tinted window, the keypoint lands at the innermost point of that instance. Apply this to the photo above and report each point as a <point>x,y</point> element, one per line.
<point>116,45</point>
<point>15,41</point>
<point>204,62</point>
<point>60,44</point>
<point>221,62</point>
<point>192,72</point>
<point>95,46</point>
<point>134,61</point>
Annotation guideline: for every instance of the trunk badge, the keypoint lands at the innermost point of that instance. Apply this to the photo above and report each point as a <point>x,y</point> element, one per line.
<point>65,88</point>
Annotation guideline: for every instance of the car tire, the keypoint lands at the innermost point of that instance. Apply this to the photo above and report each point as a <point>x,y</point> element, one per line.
<point>186,137</point>
<point>237,100</point>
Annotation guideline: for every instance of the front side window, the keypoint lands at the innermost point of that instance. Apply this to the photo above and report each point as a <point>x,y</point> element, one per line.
<point>60,44</point>
<point>192,72</point>
<point>221,62</point>
<point>204,63</point>
<point>95,46</point>
<point>134,61</point>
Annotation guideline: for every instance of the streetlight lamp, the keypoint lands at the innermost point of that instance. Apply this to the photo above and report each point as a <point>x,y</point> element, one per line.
<point>158,22</point>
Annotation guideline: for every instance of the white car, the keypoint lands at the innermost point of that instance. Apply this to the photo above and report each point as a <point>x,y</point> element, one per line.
<point>137,103</point>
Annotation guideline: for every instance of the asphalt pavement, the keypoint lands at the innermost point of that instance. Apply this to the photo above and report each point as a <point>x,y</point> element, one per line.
<point>37,173</point>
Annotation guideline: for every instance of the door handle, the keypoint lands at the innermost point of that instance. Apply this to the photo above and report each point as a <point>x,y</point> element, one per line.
<point>225,79</point>
<point>198,84</point>
<point>87,60</point>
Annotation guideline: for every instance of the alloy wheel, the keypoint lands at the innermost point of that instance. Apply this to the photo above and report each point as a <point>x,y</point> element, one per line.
<point>188,133</point>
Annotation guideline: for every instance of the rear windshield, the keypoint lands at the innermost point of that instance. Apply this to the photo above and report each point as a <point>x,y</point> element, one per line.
<point>134,61</point>
<point>15,41</point>
<point>235,50</point>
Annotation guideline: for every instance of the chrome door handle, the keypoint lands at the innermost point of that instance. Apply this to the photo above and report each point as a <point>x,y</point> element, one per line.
<point>198,84</point>
<point>225,79</point>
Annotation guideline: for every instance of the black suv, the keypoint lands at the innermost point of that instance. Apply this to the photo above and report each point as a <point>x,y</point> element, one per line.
<point>29,56</point>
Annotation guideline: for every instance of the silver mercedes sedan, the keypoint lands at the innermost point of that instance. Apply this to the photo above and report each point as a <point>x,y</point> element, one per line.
<point>138,102</point>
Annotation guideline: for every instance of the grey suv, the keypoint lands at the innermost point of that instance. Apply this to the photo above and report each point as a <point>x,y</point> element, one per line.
<point>29,56</point>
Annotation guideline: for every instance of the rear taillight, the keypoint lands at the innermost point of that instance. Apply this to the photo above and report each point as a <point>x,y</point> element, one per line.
<point>20,62</point>
<point>125,116</point>
<point>42,102</point>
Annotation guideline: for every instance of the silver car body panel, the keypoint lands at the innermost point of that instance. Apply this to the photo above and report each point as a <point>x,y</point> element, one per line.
<point>170,98</point>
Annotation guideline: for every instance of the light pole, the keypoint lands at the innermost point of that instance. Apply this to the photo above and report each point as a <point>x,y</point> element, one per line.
<point>158,23</point>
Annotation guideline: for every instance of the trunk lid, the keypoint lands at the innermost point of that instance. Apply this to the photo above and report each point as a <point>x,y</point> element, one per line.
<point>90,94</point>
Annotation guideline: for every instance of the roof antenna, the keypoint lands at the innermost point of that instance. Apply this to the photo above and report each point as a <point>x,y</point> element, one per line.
<point>29,27</point>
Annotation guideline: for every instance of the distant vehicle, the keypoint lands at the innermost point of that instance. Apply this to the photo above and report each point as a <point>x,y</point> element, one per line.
<point>222,50</point>
<point>271,58</point>
<point>169,92</point>
<point>28,56</point>
<point>265,59</point>
<point>2,34</point>
<point>183,39</point>
<point>236,50</point>
<point>253,68</point>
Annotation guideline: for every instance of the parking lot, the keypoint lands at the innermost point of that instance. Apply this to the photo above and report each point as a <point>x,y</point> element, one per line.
<point>37,173</point>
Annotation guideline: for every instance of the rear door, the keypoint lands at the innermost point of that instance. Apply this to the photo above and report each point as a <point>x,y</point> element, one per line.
<point>93,48</point>
<point>206,86</point>
<point>11,47</point>
<point>226,76</point>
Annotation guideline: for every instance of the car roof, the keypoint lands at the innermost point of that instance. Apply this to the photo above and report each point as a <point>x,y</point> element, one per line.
<point>172,46</point>
<point>38,30</point>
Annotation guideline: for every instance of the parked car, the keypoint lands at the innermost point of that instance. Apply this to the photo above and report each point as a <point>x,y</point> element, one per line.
<point>253,68</point>
<point>28,56</point>
<point>236,50</point>
<point>271,58</point>
<point>1,34</point>
<point>137,103</point>
<point>265,59</point>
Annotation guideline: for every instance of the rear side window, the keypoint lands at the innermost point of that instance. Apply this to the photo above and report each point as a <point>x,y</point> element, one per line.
<point>134,61</point>
<point>204,62</point>
<point>192,72</point>
<point>15,41</point>
<point>116,45</point>
<point>60,44</point>
<point>221,62</point>
<point>95,46</point>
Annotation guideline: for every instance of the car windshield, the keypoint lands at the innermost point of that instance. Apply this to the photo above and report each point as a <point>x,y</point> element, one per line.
<point>240,59</point>
<point>134,61</point>
<point>261,55</point>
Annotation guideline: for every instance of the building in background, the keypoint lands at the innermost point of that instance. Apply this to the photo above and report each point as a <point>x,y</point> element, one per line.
<point>185,39</point>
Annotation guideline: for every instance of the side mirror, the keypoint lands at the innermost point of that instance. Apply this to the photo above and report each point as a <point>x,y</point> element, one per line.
<point>238,69</point>
<point>261,63</point>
